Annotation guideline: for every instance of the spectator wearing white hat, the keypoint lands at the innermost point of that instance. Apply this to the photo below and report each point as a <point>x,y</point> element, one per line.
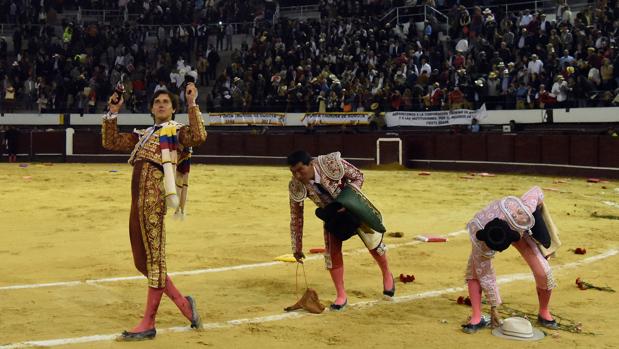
<point>559,90</point>
<point>535,65</point>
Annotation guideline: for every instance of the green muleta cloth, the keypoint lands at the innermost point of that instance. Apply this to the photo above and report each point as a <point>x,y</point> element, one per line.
<point>353,199</point>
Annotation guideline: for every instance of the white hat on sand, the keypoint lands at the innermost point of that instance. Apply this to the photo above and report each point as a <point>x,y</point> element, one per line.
<point>518,328</point>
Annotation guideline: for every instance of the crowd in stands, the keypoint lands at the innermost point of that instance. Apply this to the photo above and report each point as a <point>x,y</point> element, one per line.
<point>347,61</point>
<point>505,60</point>
<point>54,59</point>
<point>72,67</point>
<point>139,11</point>
<point>204,11</point>
<point>76,70</point>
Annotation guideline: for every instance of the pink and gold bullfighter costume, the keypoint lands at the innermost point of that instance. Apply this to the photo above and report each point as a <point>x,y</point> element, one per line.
<point>321,179</point>
<point>516,215</point>
<point>160,160</point>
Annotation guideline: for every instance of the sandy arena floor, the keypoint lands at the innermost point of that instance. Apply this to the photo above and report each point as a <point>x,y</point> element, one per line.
<point>68,224</point>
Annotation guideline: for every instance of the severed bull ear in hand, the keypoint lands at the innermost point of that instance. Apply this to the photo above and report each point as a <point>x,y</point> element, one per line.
<point>118,93</point>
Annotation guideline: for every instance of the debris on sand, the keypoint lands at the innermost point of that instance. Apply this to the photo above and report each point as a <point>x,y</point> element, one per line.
<point>578,250</point>
<point>431,238</point>
<point>405,278</point>
<point>604,216</point>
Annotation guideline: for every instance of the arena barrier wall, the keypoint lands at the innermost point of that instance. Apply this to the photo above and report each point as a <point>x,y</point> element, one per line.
<point>495,117</point>
<point>580,155</point>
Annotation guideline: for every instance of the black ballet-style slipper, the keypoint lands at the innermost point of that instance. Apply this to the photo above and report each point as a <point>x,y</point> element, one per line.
<point>550,324</point>
<point>390,293</point>
<point>196,321</point>
<point>338,307</point>
<point>472,328</point>
<point>127,336</point>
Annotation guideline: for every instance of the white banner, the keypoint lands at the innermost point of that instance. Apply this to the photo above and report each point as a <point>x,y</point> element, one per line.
<point>314,119</point>
<point>275,119</point>
<point>435,118</point>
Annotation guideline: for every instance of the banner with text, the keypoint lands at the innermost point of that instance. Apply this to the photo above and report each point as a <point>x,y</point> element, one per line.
<point>435,118</point>
<point>244,119</point>
<point>315,119</point>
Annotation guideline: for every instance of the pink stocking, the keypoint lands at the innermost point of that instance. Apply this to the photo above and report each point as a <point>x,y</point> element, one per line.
<point>152,304</point>
<point>175,295</point>
<point>536,262</point>
<point>475,296</point>
<point>337,275</point>
<point>384,268</point>
<point>337,268</point>
<point>544,298</point>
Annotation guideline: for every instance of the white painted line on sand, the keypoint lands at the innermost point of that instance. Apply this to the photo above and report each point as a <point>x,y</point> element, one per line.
<point>611,204</point>
<point>513,164</point>
<point>293,315</point>
<point>51,284</point>
<point>197,271</point>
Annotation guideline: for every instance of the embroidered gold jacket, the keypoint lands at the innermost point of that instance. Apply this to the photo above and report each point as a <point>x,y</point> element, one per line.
<point>334,173</point>
<point>190,135</point>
